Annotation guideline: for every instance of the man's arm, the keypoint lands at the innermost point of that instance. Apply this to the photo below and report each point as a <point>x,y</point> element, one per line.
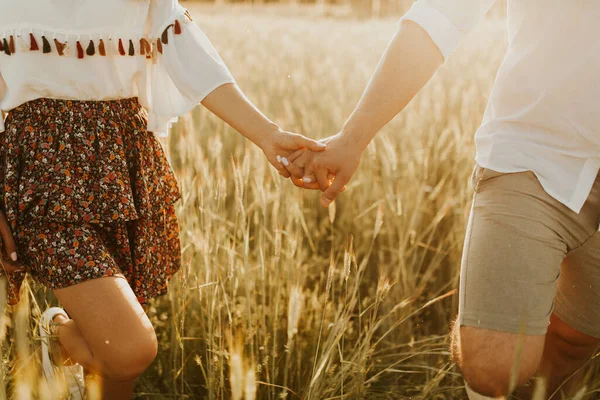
<point>410,60</point>
<point>408,63</point>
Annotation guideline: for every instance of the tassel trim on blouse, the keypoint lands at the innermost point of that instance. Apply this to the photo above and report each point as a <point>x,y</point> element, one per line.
<point>146,47</point>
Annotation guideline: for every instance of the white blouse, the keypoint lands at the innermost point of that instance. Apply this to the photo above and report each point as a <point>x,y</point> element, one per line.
<point>107,50</point>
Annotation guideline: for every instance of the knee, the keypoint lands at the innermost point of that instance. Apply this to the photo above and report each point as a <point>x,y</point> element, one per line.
<point>127,361</point>
<point>488,359</point>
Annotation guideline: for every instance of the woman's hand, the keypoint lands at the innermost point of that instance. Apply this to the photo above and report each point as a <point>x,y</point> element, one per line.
<point>338,163</point>
<point>8,260</point>
<point>278,145</point>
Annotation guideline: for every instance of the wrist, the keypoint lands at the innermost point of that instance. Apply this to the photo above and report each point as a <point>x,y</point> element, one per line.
<point>356,137</point>
<point>266,135</point>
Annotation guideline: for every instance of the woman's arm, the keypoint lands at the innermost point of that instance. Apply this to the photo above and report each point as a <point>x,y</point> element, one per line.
<point>408,63</point>
<point>230,104</point>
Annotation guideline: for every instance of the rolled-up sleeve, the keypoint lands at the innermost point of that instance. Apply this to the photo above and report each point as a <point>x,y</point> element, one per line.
<point>447,21</point>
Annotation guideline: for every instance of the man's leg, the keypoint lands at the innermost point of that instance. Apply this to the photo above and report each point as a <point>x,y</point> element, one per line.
<point>489,372</point>
<point>494,362</point>
<point>517,238</point>
<point>574,332</point>
<point>565,353</point>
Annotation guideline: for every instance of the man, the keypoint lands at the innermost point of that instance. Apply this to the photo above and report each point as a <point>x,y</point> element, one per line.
<point>530,275</point>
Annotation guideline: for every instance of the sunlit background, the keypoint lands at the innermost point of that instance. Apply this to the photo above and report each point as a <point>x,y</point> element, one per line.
<point>280,298</point>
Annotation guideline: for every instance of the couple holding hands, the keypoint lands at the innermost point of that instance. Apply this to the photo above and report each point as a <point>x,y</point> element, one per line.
<point>88,193</point>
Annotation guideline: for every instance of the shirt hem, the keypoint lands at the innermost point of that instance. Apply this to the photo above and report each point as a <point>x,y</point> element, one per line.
<point>585,181</point>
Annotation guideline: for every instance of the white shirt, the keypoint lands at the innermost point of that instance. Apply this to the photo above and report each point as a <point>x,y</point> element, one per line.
<point>543,112</point>
<point>168,84</point>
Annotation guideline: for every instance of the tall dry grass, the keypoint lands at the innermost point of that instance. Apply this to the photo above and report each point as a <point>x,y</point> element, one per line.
<point>279,298</point>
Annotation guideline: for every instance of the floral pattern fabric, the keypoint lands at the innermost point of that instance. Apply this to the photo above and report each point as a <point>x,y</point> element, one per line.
<point>88,192</point>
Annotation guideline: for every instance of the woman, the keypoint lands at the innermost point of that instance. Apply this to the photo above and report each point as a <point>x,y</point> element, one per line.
<point>88,192</point>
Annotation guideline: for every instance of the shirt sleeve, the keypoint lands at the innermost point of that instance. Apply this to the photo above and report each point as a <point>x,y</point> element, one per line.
<point>447,21</point>
<point>184,69</point>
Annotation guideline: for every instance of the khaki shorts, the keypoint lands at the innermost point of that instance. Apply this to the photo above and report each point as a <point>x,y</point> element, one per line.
<point>527,255</point>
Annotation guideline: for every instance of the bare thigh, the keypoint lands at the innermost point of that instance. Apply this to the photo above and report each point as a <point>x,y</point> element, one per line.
<point>112,322</point>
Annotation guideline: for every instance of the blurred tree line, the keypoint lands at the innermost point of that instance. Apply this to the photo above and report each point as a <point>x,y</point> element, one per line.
<point>366,8</point>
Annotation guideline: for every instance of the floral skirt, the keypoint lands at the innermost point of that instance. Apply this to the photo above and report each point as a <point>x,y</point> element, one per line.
<point>88,192</point>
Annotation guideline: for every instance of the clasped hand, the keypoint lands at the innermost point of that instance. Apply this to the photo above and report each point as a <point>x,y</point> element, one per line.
<point>327,169</point>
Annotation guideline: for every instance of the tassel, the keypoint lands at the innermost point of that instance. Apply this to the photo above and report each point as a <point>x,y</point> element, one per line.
<point>145,48</point>
<point>177,27</point>
<point>165,35</point>
<point>34,46</point>
<point>131,48</point>
<point>6,47</point>
<point>91,49</point>
<point>46,45</point>
<point>159,46</point>
<point>60,47</point>
<point>11,44</point>
<point>121,48</point>
<point>101,48</point>
<point>149,50</point>
<point>79,50</point>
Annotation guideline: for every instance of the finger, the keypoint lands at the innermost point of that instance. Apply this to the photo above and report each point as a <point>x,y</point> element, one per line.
<point>296,155</point>
<point>334,190</point>
<point>310,182</point>
<point>309,179</point>
<point>322,179</point>
<point>309,143</point>
<point>283,172</point>
<point>9,243</point>
<point>309,174</point>
<point>295,171</point>
<point>309,186</point>
<point>280,168</point>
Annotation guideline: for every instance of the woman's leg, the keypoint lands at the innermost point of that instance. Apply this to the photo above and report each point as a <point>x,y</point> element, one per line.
<point>109,334</point>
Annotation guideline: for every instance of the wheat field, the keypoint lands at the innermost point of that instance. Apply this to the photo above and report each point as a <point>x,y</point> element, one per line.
<point>279,298</point>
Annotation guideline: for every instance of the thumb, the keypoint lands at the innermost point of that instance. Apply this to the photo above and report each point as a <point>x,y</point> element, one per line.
<point>310,144</point>
<point>338,186</point>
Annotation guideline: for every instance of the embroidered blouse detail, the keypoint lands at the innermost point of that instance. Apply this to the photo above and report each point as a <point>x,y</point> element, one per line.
<point>150,49</point>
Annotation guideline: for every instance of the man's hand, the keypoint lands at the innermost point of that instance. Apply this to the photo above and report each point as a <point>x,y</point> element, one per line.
<point>317,170</point>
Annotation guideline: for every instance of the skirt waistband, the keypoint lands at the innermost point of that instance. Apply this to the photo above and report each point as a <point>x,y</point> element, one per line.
<point>120,112</point>
<point>82,161</point>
